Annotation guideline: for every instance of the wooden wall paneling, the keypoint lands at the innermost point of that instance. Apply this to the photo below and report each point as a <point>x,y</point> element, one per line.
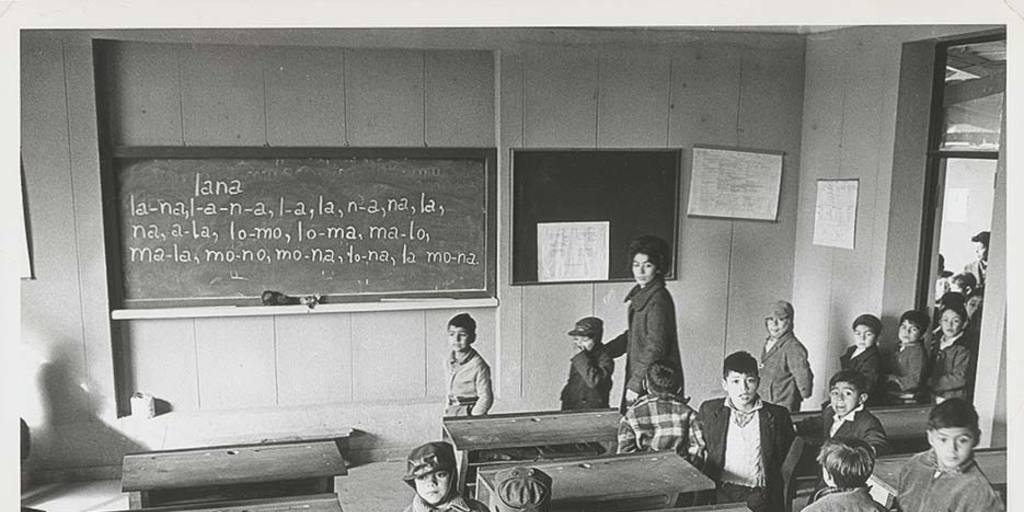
<point>51,323</point>
<point>508,368</point>
<point>88,212</point>
<point>761,266</point>
<point>384,97</point>
<point>145,94</point>
<point>705,93</point>
<point>438,349</point>
<point>237,366</point>
<point>549,312</point>
<point>314,358</point>
<point>561,98</point>
<point>459,98</point>
<point>389,354</point>
<point>223,96</point>
<point>633,98</point>
<point>813,284</point>
<point>162,361</point>
<point>305,96</point>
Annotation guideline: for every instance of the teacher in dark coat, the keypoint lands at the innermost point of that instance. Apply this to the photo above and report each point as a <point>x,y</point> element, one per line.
<point>651,335</point>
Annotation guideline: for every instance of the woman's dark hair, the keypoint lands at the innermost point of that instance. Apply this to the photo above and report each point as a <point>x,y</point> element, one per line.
<point>655,248</point>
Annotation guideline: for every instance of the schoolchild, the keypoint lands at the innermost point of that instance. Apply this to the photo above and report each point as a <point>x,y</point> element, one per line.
<point>661,420</point>
<point>905,381</point>
<point>952,359</point>
<point>786,377</point>
<point>846,465</point>
<point>864,357</point>
<point>747,439</point>
<point>946,477</point>
<point>469,376</point>
<point>590,369</point>
<point>431,471</point>
<point>973,304</point>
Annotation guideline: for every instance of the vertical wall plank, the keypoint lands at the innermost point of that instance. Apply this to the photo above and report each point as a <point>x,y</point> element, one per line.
<point>384,97</point>
<point>633,98</point>
<point>388,355</point>
<point>145,94</point>
<point>314,359</point>
<point>305,96</point>
<point>437,347</point>
<point>509,369</point>
<point>162,361</point>
<point>236,362</point>
<point>561,98</point>
<point>761,268</point>
<point>705,88</point>
<point>459,91</point>
<point>223,96</point>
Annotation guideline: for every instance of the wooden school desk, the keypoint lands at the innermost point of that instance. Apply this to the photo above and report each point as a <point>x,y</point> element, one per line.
<point>723,507</point>
<point>594,482</point>
<point>204,475</point>
<point>991,461</point>
<point>312,503</point>
<point>468,434</point>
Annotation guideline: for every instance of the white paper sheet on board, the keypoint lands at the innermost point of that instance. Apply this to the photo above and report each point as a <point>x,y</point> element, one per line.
<point>835,213</point>
<point>572,251</point>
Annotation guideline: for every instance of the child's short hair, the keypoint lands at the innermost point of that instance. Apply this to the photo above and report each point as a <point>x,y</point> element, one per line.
<point>464,321</point>
<point>870,321</point>
<point>848,461</point>
<point>954,413</point>
<point>965,280</point>
<point>662,378</point>
<point>959,309</point>
<point>740,362</point>
<point>950,299</point>
<point>655,248</point>
<point>851,377</point>
<point>916,318</point>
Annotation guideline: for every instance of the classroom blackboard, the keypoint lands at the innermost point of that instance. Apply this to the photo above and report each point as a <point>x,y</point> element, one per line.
<point>215,226</point>
<point>634,191</point>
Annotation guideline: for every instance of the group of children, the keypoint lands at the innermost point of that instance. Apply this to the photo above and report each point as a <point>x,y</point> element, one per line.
<point>741,440</point>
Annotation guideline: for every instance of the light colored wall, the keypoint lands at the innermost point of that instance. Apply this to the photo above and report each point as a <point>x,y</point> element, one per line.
<point>379,372</point>
<point>866,109</point>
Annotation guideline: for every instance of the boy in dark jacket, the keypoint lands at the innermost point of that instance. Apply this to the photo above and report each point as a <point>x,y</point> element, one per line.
<point>747,439</point>
<point>905,384</point>
<point>590,369</point>
<point>864,357</point>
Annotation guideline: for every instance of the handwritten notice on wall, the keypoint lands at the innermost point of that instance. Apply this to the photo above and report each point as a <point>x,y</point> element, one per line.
<point>572,251</point>
<point>835,213</point>
<point>735,184</point>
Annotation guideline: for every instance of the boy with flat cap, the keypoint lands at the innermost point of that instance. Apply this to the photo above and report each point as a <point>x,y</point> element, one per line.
<point>590,369</point>
<point>431,471</point>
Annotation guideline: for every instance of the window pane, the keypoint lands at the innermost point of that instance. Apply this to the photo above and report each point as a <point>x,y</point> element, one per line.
<point>966,208</point>
<point>973,96</point>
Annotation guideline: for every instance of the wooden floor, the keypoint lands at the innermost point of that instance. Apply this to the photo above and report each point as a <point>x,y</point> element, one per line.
<point>372,487</point>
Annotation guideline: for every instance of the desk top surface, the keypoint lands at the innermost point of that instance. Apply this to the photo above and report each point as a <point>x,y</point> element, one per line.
<point>887,469</point>
<point>230,465</point>
<point>531,428</point>
<point>311,503</point>
<point>617,476</point>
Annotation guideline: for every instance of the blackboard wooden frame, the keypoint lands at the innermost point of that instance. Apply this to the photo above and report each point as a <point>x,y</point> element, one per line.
<point>672,190</point>
<point>485,295</point>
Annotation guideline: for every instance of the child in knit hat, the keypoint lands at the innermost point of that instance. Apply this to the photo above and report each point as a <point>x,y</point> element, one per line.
<point>431,471</point>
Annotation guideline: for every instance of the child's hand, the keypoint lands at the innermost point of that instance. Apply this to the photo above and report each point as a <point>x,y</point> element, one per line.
<point>631,396</point>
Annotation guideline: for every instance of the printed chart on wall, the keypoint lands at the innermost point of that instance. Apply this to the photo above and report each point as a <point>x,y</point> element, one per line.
<point>735,183</point>
<point>572,251</point>
<point>835,213</point>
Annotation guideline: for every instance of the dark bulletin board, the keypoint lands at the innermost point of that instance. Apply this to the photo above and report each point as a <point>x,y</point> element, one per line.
<point>217,226</point>
<point>636,191</point>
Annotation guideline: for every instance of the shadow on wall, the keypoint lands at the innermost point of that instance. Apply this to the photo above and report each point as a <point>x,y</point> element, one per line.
<point>68,434</point>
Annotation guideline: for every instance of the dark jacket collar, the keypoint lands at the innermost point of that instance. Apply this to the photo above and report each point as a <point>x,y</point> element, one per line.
<point>639,296</point>
<point>779,343</point>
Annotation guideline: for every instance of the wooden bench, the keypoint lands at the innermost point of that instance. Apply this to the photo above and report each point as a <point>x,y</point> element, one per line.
<point>206,475</point>
<point>883,480</point>
<point>724,507</point>
<point>611,482</point>
<point>313,503</point>
<point>469,434</point>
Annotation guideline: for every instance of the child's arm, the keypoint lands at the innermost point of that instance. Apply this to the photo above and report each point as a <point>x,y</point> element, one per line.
<point>875,437</point>
<point>911,369</point>
<point>796,361</point>
<point>696,448</point>
<point>593,374</point>
<point>956,378</point>
<point>485,397</point>
<point>627,434</point>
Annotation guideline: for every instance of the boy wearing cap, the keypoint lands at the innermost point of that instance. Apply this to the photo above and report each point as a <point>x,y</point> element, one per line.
<point>431,471</point>
<point>469,376</point>
<point>590,369</point>
<point>863,355</point>
<point>521,489</point>
<point>905,382</point>
<point>661,420</point>
<point>786,377</point>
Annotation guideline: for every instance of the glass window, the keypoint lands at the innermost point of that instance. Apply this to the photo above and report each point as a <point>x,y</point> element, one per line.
<point>972,96</point>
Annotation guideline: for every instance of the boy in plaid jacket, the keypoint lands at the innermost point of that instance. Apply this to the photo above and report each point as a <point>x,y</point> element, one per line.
<point>661,420</point>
